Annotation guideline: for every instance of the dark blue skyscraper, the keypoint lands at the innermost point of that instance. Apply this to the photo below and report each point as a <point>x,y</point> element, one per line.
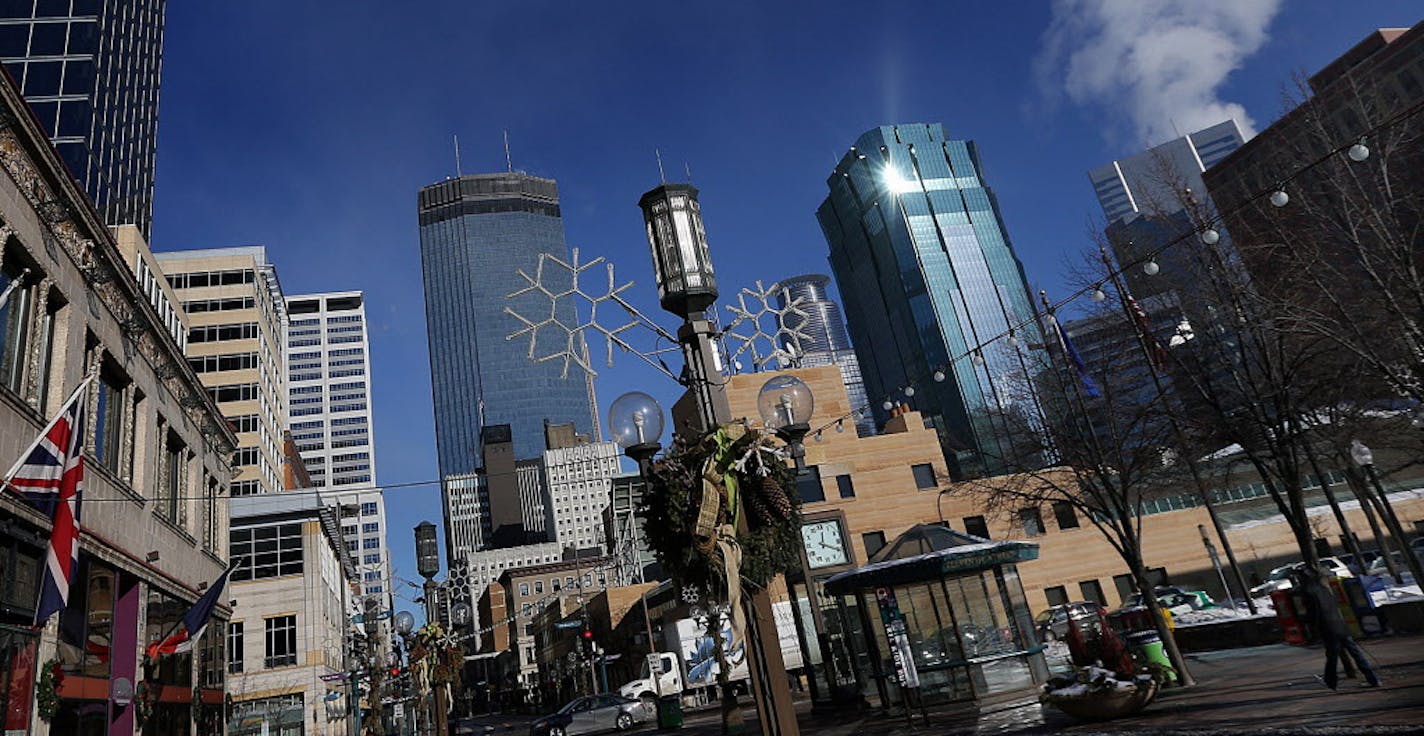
<point>926,273</point>
<point>90,69</point>
<point>476,233</point>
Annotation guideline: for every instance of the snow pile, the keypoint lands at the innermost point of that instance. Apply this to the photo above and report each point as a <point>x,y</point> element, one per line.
<point>1217,615</point>
<point>1395,593</point>
<point>1088,681</point>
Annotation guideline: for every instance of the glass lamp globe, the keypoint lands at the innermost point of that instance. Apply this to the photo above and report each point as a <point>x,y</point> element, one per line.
<point>1359,152</point>
<point>1151,268</point>
<point>405,622</point>
<point>1210,236</point>
<point>784,401</point>
<point>939,376</point>
<point>1099,296</point>
<point>635,418</point>
<point>460,613</point>
<point>1279,198</point>
<point>1361,453</point>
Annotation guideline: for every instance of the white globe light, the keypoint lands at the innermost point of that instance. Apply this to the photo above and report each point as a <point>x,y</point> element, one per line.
<point>909,390</point>
<point>635,418</point>
<point>1279,198</point>
<point>405,622</point>
<point>1151,268</point>
<point>785,400</point>
<point>939,376</point>
<point>1013,340</point>
<point>1051,320</point>
<point>977,359</point>
<point>818,436</point>
<point>888,405</point>
<point>460,613</point>
<point>840,426</point>
<point>1098,295</point>
<point>1359,152</point>
<point>1210,236</point>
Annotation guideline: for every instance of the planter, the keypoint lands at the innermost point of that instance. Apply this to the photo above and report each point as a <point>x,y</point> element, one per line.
<point>1102,705</point>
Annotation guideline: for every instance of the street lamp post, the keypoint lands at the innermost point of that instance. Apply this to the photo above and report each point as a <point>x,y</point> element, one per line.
<point>687,287</point>
<point>1365,458</point>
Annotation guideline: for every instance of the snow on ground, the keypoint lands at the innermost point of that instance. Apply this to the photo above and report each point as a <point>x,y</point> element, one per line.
<point>1215,615</point>
<point>1396,593</point>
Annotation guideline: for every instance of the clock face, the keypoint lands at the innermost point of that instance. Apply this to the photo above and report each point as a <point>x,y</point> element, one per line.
<point>824,544</point>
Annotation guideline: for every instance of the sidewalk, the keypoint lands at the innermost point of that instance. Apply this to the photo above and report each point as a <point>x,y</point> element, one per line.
<point>1261,689</point>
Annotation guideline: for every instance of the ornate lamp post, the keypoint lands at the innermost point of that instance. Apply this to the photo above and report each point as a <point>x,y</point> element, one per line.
<point>687,287</point>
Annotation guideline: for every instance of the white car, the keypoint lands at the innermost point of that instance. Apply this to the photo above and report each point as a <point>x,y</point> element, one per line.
<point>1279,579</point>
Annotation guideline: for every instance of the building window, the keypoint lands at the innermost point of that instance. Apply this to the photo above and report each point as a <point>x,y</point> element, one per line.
<point>538,587</point>
<point>281,642</point>
<point>47,328</point>
<point>15,321</point>
<point>976,526</point>
<point>371,543</point>
<point>808,483</point>
<point>234,647</point>
<point>109,417</point>
<point>874,542</point>
<point>1092,590</point>
<point>924,476</point>
<point>1032,521</point>
<point>1125,585</point>
<point>266,551</point>
<point>524,589</point>
<point>1057,595</point>
<point>368,508</point>
<point>845,486</point>
<point>1066,516</point>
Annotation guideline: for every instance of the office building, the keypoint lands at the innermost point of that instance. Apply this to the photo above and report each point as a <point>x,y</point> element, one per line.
<point>826,341</point>
<point>930,282</point>
<point>236,317</point>
<point>157,452</point>
<point>90,72</point>
<point>580,479</point>
<point>286,643</point>
<point>329,401</point>
<point>1144,201</point>
<point>476,233</point>
<point>633,560</point>
<point>149,275</point>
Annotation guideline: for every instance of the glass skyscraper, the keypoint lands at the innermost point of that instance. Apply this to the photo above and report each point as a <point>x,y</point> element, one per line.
<point>90,69</point>
<point>476,233</point>
<point>826,341</point>
<point>926,273</point>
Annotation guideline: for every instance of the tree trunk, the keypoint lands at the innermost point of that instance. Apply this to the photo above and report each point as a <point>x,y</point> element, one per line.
<point>1146,587</point>
<point>1361,489</point>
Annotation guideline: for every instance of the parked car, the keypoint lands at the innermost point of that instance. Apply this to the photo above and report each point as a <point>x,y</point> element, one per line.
<point>592,714</point>
<point>1174,599</point>
<point>1052,622</point>
<point>1280,578</point>
<point>1380,568</point>
<point>1358,567</point>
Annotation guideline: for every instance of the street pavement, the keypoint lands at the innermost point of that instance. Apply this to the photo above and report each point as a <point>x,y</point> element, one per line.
<point>1270,689</point>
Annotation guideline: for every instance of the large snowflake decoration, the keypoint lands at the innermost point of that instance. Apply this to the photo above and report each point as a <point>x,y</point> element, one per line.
<point>783,342</point>
<point>572,348</point>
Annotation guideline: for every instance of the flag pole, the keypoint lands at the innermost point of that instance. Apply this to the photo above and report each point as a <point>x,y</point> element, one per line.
<point>10,475</point>
<point>14,284</point>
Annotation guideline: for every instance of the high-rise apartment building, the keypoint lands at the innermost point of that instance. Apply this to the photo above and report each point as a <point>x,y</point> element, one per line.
<point>580,479</point>
<point>329,402</point>
<point>90,71</point>
<point>927,276</point>
<point>236,315</point>
<point>476,233</point>
<point>826,341</point>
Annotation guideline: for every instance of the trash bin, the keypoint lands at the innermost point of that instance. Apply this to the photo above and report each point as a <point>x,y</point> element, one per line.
<point>670,711</point>
<point>1140,633</point>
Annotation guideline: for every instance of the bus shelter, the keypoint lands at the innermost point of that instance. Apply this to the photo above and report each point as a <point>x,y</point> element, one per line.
<point>943,618</point>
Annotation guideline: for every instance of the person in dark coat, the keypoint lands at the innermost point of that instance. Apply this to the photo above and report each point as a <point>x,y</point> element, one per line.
<point>1323,612</point>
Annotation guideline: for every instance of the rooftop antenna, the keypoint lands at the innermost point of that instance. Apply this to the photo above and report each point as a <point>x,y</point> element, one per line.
<point>659,155</point>
<point>508,162</point>
<point>687,168</point>
<point>457,155</point>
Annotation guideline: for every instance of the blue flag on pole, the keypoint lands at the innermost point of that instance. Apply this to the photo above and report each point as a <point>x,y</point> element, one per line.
<point>1090,387</point>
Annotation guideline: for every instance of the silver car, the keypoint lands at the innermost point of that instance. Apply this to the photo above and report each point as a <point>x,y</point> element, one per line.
<point>591,714</point>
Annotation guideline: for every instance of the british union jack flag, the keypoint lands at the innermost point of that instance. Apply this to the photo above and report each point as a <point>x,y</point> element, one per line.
<point>51,477</point>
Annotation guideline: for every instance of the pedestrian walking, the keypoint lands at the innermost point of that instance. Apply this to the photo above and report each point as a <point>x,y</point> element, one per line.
<point>1322,611</point>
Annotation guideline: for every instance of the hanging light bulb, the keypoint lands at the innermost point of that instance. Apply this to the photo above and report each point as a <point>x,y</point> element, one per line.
<point>1013,339</point>
<point>818,437</point>
<point>909,390</point>
<point>977,359</point>
<point>1210,236</point>
<point>888,405</point>
<point>1359,152</point>
<point>1151,268</point>
<point>840,426</point>
<point>1098,295</point>
<point>939,376</point>
<point>1279,198</point>
<point>1050,319</point>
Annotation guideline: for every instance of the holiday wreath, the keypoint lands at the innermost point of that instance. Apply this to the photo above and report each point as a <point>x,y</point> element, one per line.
<point>47,694</point>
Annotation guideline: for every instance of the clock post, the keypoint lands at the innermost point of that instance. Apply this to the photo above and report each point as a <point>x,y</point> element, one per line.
<point>825,550</point>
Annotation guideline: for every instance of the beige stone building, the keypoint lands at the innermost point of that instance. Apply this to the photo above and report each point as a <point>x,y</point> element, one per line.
<point>236,316</point>
<point>154,511</point>
<point>292,589</point>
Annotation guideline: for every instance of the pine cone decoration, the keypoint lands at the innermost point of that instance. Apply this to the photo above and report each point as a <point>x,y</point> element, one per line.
<point>775,498</point>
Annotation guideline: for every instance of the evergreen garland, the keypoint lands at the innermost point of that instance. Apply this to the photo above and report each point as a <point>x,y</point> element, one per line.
<point>47,694</point>
<point>766,487</point>
<point>145,700</point>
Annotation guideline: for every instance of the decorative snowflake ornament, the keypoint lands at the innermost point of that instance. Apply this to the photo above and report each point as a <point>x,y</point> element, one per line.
<point>782,343</point>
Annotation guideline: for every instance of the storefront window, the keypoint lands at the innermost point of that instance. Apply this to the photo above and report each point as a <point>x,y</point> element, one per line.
<point>164,613</point>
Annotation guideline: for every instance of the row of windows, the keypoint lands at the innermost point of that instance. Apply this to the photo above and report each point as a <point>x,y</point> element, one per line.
<point>220,333</point>
<point>226,362</point>
<point>200,279</point>
<point>345,352</point>
<point>218,305</point>
<point>244,423</point>
<point>266,551</point>
<point>234,392</point>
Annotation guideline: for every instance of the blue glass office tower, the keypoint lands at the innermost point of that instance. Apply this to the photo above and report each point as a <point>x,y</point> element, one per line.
<point>476,232</point>
<point>926,273</point>
<point>90,70</point>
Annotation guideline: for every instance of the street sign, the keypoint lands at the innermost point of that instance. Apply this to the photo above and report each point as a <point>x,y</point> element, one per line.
<point>568,625</point>
<point>334,677</point>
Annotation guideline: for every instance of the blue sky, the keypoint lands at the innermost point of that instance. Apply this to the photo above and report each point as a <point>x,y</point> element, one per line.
<point>308,127</point>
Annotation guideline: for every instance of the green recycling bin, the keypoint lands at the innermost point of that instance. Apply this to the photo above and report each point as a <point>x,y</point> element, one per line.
<point>1149,644</point>
<point>670,712</point>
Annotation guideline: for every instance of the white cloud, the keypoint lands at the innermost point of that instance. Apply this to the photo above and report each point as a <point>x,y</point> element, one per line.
<point>1154,63</point>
